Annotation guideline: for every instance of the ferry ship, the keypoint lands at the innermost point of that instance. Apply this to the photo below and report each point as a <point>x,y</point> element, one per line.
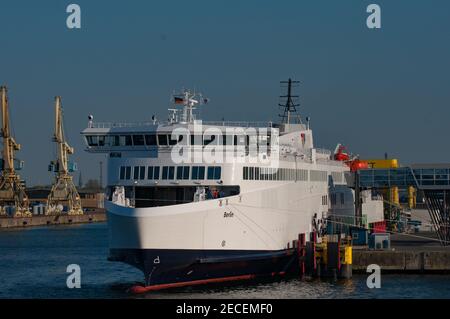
<point>184,218</point>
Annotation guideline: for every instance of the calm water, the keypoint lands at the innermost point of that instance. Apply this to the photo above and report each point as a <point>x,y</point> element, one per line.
<point>33,265</point>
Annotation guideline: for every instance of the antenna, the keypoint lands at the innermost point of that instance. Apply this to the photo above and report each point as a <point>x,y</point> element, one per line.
<point>189,101</point>
<point>289,107</point>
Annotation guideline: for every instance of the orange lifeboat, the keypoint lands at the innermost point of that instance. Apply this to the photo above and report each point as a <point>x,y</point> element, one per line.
<point>341,157</point>
<point>355,164</point>
<point>340,154</point>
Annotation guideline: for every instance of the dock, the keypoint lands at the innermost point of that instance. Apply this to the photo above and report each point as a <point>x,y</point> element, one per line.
<point>409,254</point>
<point>98,215</point>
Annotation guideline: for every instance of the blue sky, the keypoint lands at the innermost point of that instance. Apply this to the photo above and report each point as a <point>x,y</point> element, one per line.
<point>376,91</point>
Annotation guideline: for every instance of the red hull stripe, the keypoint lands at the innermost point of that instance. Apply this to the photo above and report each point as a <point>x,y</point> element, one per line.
<point>141,289</point>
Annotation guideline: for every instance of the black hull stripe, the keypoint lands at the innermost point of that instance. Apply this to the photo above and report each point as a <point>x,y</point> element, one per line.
<point>173,267</point>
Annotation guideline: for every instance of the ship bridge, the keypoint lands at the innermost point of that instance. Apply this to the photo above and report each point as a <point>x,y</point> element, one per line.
<point>433,180</point>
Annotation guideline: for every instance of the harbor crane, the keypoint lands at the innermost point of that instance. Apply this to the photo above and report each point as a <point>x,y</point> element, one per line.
<point>12,191</point>
<point>63,190</point>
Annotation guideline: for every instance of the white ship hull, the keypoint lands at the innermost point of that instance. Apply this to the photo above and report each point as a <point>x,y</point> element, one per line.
<point>261,224</point>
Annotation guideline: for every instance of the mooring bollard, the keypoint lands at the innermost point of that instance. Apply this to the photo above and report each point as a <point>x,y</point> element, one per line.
<point>347,268</point>
<point>301,253</point>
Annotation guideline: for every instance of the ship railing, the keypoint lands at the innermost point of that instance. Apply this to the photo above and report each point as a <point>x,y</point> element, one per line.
<point>323,151</point>
<point>119,124</point>
<point>329,162</point>
<point>239,123</point>
<point>151,123</point>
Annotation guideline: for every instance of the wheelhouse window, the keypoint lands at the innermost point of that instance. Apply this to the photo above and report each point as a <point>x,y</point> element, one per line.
<point>92,140</point>
<point>136,172</point>
<point>212,139</point>
<point>101,140</point>
<point>115,140</point>
<point>126,140</point>
<point>162,140</point>
<point>138,140</point>
<point>239,139</point>
<point>150,140</point>
<point>174,141</point>
<point>227,140</point>
<point>196,140</point>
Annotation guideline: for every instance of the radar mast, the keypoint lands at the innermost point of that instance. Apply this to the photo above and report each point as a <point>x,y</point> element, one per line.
<point>289,107</point>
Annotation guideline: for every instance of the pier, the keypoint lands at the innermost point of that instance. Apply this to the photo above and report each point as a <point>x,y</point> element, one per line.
<point>414,254</point>
<point>420,253</point>
<point>47,220</point>
<point>92,201</point>
<point>413,261</point>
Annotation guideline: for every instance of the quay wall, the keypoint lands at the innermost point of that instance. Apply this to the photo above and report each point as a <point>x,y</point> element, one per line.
<point>42,220</point>
<point>407,261</point>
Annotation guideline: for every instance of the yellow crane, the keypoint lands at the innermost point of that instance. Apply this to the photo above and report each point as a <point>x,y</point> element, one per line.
<point>63,190</point>
<point>12,192</point>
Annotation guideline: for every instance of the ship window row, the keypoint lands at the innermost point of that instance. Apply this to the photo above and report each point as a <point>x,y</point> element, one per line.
<point>170,172</point>
<point>167,140</point>
<point>274,174</point>
<point>325,200</point>
<point>318,176</point>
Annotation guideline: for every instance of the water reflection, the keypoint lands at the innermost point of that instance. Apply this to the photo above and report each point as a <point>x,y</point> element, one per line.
<point>35,259</point>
